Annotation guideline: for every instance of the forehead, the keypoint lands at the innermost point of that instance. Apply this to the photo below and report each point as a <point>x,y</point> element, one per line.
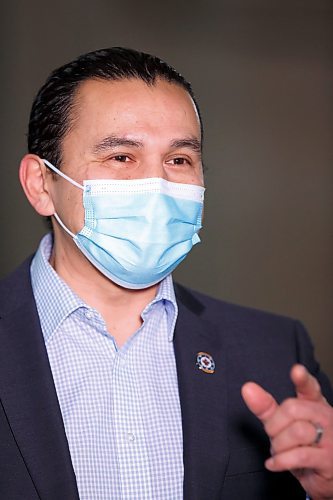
<point>100,104</point>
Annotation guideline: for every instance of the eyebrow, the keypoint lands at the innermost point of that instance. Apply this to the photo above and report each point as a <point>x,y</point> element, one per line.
<point>189,143</point>
<point>114,141</point>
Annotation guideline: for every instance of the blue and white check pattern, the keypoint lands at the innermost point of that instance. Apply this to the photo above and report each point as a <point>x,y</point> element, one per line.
<point>120,407</point>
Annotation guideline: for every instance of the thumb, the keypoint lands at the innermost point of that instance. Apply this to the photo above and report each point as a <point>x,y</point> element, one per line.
<point>259,401</point>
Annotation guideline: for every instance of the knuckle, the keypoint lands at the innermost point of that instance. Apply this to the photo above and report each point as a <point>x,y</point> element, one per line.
<point>299,431</point>
<point>290,406</point>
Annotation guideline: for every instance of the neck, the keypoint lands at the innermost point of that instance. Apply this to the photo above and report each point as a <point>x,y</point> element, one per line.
<point>120,307</point>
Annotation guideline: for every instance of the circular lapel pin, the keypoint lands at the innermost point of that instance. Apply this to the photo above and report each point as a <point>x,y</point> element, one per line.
<point>205,362</point>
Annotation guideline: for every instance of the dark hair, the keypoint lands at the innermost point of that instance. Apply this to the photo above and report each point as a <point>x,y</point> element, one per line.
<point>50,117</point>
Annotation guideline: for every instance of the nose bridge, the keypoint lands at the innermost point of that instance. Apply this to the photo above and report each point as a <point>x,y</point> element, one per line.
<point>154,165</point>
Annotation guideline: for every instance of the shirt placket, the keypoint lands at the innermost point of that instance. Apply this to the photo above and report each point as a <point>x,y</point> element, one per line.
<point>131,445</point>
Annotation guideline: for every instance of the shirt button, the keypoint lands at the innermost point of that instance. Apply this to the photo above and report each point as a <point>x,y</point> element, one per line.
<point>88,314</point>
<point>130,437</point>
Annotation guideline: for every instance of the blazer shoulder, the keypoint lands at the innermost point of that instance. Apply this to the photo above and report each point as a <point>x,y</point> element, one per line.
<point>215,309</point>
<point>255,337</point>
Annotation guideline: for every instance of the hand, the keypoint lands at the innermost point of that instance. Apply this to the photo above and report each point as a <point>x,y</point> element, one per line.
<point>291,427</point>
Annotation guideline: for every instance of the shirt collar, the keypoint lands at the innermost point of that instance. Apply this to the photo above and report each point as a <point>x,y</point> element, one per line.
<point>55,300</point>
<point>166,294</point>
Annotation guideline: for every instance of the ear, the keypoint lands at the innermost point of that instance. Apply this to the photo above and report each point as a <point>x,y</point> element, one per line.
<point>36,183</point>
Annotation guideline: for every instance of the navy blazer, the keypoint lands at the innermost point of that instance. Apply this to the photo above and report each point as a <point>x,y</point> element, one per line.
<point>224,444</point>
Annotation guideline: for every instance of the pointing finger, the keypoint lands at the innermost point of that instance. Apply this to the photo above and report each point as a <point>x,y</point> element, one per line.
<point>306,386</point>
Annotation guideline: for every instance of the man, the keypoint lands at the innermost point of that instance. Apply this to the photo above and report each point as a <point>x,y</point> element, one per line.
<point>116,383</point>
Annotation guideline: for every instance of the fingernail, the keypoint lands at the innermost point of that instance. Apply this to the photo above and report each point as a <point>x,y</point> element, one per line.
<point>269,464</point>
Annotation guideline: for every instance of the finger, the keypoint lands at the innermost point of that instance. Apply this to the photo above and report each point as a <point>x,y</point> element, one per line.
<point>299,433</point>
<point>293,409</point>
<point>303,457</point>
<point>307,386</point>
<point>259,401</point>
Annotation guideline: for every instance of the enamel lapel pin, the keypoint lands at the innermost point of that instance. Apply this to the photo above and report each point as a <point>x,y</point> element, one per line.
<point>205,362</point>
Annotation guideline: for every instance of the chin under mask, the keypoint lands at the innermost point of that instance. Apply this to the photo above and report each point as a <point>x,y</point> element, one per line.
<point>136,232</point>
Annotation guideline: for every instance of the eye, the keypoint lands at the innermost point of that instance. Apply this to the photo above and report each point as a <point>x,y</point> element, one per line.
<point>178,161</point>
<point>121,158</point>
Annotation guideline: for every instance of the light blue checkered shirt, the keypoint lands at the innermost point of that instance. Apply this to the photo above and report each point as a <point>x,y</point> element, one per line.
<point>120,407</point>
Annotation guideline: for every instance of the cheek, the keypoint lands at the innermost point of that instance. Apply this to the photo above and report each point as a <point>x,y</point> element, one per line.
<point>69,207</point>
<point>76,214</point>
<point>186,177</point>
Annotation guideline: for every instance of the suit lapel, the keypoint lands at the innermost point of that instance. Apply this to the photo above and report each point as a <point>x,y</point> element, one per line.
<point>28,394</point>
<point>203,402</point>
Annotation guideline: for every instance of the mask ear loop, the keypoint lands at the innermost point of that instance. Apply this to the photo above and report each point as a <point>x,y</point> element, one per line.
<point>57,171</point>
<point>57,218</point>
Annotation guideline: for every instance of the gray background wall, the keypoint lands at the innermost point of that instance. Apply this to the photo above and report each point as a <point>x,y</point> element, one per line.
<point>262,72</point>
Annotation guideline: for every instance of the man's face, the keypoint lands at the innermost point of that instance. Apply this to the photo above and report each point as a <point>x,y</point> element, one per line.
<point>127,130</point>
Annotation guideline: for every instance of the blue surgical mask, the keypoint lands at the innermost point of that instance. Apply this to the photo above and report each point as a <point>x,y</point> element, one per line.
<point>136,232</point>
